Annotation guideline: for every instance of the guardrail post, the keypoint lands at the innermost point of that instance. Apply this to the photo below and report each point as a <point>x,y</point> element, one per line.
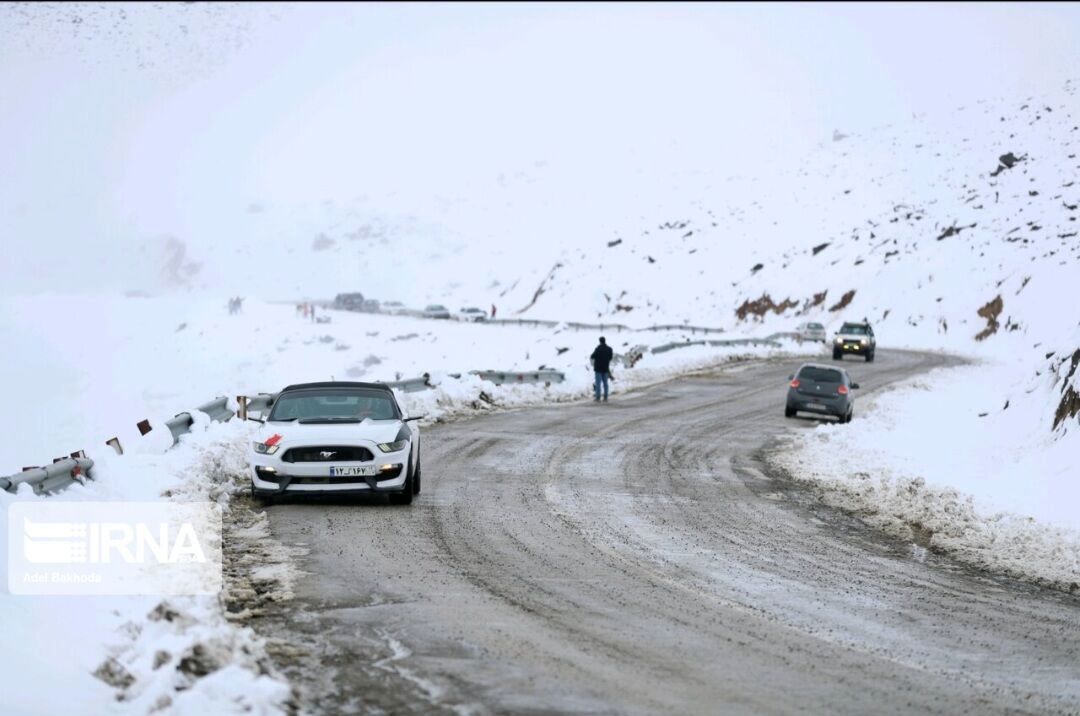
<point>242,405</point>
<point>114,443</point>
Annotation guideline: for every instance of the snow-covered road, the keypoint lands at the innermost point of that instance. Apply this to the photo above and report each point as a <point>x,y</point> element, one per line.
<point>637,557</point>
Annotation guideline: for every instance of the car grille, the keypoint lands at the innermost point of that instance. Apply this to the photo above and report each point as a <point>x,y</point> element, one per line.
<point>338,453</point>
<point>332,480</point>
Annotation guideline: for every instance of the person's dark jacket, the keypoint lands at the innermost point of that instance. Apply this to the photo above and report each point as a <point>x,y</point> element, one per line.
<point>602,358</point>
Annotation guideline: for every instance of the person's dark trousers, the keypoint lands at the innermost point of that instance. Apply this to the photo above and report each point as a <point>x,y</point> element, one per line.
<point>601,379</point>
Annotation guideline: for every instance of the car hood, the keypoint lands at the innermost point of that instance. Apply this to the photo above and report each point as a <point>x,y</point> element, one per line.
<point>377,431</point>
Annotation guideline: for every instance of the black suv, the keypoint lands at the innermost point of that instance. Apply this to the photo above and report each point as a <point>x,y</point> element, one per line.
<point>857,338</point>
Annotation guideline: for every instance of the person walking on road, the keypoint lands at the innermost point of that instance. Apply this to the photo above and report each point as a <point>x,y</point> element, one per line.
<point>601,363</point>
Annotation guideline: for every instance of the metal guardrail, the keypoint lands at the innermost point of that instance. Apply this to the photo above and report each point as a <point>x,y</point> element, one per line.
<point>521,322</point>
<point>217,409</point>
<point>672,346</point>
<point>51,477</point>
<point>500,377</point>
<point>693,329</point>
<point>778,336</point>
<point>411,385</point>
<point>617,327</point>
<point>771,340</point>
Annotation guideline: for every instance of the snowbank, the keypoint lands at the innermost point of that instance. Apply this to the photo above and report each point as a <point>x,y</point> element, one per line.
<point>939,461</point>
<point>146,654</point>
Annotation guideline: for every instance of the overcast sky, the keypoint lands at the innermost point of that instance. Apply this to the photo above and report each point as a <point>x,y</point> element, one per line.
<point>124,122</point>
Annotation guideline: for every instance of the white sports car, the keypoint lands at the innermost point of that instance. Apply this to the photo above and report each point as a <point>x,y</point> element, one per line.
<point>336,438</point>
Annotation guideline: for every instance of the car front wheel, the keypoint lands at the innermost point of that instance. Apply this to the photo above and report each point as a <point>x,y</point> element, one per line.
<point>259,499</point>
<point>405,497</point>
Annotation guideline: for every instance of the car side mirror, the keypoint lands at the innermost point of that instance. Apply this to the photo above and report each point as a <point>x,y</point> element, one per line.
<point>854,386</point>
<point>791,377</point>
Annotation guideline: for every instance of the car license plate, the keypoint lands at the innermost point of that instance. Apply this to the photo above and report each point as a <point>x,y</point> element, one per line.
<point>362,471</point>
<point>815,406</point>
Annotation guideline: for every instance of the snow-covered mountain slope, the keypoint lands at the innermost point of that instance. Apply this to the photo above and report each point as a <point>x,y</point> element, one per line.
<point>924,228</point>
<point>947,221</point>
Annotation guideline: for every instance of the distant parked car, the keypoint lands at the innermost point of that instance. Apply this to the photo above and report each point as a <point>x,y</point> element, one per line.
<point>349,301</point>
<point>436,311</point>
<point>857,338</point>
<point>811,332</point>
<point>472,315</point>
<point>821,389</point>
<point>370,305</point>
<point>394,308</point>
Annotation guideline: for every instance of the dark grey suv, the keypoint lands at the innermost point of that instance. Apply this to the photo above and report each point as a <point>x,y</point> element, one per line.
<point>857,338</point>
<point>821,389</point>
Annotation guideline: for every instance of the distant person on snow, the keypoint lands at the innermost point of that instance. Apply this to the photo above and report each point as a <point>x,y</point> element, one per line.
<point>601,363</point>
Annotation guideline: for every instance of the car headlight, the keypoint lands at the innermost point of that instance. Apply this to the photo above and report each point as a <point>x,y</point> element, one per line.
<point>839,339</point>
<point>264,449</point>
<point>394,446</point>
<point>862,341</point>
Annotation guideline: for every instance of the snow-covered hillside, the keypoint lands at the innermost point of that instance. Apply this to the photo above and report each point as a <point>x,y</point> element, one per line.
<point>944,222</point>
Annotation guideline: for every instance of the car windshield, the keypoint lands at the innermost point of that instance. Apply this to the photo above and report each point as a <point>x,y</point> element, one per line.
<point>351,404</point>
<point>855,329</point>
<point>435,308</point>
<point>814,326</point>
<point>820,375</point>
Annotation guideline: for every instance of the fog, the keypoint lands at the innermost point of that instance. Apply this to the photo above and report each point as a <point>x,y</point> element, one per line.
<point>138,135</point>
